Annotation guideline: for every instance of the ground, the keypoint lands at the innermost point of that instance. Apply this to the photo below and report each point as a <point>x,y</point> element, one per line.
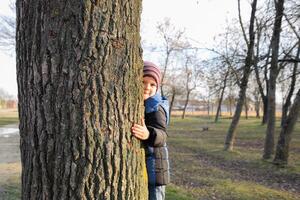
<point>205,171</point>
<point>200,169</point>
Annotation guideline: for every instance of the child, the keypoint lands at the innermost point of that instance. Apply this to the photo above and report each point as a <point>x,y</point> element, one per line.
<point>153,133</point>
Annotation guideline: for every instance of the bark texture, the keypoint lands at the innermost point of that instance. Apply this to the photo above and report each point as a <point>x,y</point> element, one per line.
<point>78,67</point>
<point>274,70</point>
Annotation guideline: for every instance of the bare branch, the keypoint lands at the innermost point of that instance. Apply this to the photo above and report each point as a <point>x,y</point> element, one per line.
<point>241,23</point>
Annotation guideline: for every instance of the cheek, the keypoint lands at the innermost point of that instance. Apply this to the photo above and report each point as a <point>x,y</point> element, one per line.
<point>154,89</point>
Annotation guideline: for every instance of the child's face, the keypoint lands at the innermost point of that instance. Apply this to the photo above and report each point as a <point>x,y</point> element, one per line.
<point>150,87</point>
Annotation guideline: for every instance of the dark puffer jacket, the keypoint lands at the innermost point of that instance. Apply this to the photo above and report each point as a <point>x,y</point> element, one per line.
<point>156,119</point>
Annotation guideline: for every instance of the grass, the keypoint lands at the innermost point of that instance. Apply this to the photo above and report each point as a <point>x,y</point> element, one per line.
<point>10,186</point>
<point>200,169</point>
<point>12,189</point>
<point>8,116</point>
<point>174,192</point>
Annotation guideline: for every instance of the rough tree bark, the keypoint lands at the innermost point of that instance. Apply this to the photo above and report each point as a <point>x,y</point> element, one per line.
<point>78,65</point>
<point>282,149</point>
<point>274,70</point>
<point>230,137</point>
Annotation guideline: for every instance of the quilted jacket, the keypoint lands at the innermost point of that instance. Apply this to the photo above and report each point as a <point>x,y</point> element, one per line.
<point>157,159</point>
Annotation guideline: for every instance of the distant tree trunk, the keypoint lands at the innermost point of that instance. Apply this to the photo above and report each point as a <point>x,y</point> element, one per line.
<point>78,67</point>
<point>172,99</point>
<point>287,103</point>
<point>259,82</point>
<point>230,106</point>
<point>257,109</point>
<point>221,97</point>
<point>230,137</point>
<point>269,139</point>
<point>246,108</point>
<point>208,109</point>
<point>282,149</point>
<point>265,110</point>
<point>168,53</point>
<point>218,113</point>
<point>186,103</point>
<point>262,94</point>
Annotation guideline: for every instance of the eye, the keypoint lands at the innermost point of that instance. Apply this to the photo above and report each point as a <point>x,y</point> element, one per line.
<point>153,85</point>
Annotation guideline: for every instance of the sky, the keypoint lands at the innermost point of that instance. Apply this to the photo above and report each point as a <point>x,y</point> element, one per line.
<point>201,20</point>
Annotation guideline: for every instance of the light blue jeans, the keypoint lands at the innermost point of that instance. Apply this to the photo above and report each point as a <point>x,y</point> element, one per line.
<point>157,192</point>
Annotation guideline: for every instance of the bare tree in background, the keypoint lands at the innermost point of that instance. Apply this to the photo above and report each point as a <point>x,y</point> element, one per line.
<point>274,70</point>
<point>283,145</point>
<point>173,40</point>
<point>290,112</point>
<point>230,137</point>
<point>7,30</point>
<point>191,74</point>
<point>226,55</point>
<point>221,96</point>
<point>261,58</point>
<point>173,86</point>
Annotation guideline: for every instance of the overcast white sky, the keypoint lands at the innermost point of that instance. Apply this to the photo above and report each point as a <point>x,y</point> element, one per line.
<point>202,20</point>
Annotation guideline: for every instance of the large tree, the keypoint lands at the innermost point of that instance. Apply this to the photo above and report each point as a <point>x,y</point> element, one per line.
<point>231,133</point>
<point>78,67</point>
<point>285,136</point>
<point>274,71</point>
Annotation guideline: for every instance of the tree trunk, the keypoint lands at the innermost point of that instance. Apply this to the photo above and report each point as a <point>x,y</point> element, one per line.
<point>230,106</point>
<point>270,132</point>
<point>282,149</point>
<point>246,108</point>
<point>186,103</point>
<point>287,103</point>
<point>164,71</point>
<point>231,134</point>
<point>265,110</point>
<point>259,82</point>
<point>78,64</point>
<point>208,109</point>
<point>219,106</point>
<point>257,108</point>
<point>269,140</point>
<point>221,97</point>
<point>172,100</point>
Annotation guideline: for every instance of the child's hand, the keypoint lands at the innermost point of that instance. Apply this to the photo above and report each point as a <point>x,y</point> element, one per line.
<point>140,131</point>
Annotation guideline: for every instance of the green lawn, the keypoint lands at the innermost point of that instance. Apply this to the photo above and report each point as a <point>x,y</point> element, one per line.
<point>200,169</point>
<point>8,116</point>
<point>10,186</point>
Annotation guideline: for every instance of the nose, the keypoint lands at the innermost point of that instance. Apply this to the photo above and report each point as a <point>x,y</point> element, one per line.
<point>146,85</point>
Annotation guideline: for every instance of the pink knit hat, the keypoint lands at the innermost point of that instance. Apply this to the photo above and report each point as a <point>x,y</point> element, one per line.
<point>150,69</point>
